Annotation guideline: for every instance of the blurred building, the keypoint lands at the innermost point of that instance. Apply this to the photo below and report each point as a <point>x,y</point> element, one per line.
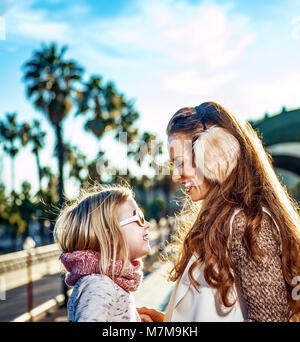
<point>281,136</point>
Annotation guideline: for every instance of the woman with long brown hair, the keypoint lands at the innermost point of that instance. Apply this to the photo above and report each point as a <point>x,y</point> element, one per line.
<point>239,236</point>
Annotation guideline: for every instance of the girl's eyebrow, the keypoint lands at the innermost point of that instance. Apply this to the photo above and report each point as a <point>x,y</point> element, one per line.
<point>174,159</point>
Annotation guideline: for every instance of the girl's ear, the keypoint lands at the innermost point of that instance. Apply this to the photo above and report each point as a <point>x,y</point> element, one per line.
<point>216,153</point>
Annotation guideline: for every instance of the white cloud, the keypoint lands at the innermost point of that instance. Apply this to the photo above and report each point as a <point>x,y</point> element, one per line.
<point>191,82</point>
<point>206,35</point>
<point>168,54</point>
<point>269,94</point>
<point>177,31</point>
<point>171,54</point>
<point>23,22</point>
<point>170,49</point>
<point>46,30</point>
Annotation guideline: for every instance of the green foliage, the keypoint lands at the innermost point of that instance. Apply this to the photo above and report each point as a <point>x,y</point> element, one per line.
<point>13,136</point>
<point>10,135</point>
<point>49,80</point>
<point>110,110</point>
<point>3,205</point>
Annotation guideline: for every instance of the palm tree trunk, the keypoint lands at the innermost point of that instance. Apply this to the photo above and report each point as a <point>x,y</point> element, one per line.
<point>60,156</point>
<point>38,164</point>
<point>13,173</point>
<point>41,222</point>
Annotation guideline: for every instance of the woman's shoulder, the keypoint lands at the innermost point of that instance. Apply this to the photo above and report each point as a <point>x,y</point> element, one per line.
<point>239,219</point>
<point>268,234</point>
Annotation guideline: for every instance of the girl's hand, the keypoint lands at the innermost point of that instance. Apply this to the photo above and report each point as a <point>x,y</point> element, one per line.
<point>150,315</point>
<point>145,318</point>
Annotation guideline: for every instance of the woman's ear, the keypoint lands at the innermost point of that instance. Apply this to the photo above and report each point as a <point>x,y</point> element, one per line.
<point>216,153</point>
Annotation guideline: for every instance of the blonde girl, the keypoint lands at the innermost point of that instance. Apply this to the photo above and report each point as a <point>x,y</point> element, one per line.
<point>239,238</point>
<point>103,236</point>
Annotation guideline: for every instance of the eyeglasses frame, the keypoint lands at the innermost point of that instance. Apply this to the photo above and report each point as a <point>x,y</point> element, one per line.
<point>134,218</point>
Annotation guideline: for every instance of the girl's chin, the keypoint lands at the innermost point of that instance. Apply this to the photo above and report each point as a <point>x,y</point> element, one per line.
<point>196,196</point>
<point>143,253</point>
<point>147,250</point>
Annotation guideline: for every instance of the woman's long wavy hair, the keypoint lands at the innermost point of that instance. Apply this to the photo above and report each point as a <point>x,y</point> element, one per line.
<point>204,226</point>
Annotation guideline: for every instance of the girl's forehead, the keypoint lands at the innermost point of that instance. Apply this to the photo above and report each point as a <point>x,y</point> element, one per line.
<point>179,145</point>
<point>129,205</point>
<point>126,209</point>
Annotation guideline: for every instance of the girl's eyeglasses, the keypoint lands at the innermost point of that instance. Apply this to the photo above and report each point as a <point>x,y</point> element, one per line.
<point>138,217</point>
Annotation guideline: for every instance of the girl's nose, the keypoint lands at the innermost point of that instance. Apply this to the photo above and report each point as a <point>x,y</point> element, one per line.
<point>176,176</point>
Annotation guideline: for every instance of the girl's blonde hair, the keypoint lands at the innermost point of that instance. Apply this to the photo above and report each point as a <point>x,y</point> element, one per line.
<point>91,223</point>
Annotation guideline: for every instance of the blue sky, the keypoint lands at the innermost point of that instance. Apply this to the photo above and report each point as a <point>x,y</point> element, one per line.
<point>165,54</point>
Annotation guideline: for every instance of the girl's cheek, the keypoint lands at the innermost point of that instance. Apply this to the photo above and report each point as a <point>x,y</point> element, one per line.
<point>189,172</point>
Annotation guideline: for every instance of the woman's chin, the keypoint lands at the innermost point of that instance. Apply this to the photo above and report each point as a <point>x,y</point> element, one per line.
<point>196,199</point>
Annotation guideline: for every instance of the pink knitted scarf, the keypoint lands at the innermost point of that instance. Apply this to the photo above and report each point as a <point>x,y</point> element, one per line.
<point>82,263</point>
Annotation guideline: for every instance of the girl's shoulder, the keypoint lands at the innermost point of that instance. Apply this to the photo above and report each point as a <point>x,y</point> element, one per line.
<point>94,278</point>
<point>94,283</point>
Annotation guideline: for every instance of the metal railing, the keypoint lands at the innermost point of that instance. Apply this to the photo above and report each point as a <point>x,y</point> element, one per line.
<point>27,266</point>
<point>18,260</point>
<point>44,260</point>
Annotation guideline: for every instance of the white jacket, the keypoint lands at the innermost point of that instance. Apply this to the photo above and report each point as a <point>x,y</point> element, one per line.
<point>97,298</point>
<point>189,305</point>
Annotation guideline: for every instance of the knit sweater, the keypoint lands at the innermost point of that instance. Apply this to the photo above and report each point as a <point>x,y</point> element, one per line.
<point>261,283</point>
<point>97,298</point>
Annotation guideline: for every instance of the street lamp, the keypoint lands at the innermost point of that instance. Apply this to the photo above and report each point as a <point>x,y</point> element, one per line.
<point>28,246</point>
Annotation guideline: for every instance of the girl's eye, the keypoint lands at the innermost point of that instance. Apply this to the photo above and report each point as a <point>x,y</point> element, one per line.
<point>179,166</point>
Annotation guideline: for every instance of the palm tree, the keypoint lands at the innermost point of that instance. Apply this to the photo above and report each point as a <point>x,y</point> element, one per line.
<point>37,139</point>
<point>27,207</point>
<point>77,163</point>
<point>50,79</point>
<point>12,136</point>
<point>111,112</point>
